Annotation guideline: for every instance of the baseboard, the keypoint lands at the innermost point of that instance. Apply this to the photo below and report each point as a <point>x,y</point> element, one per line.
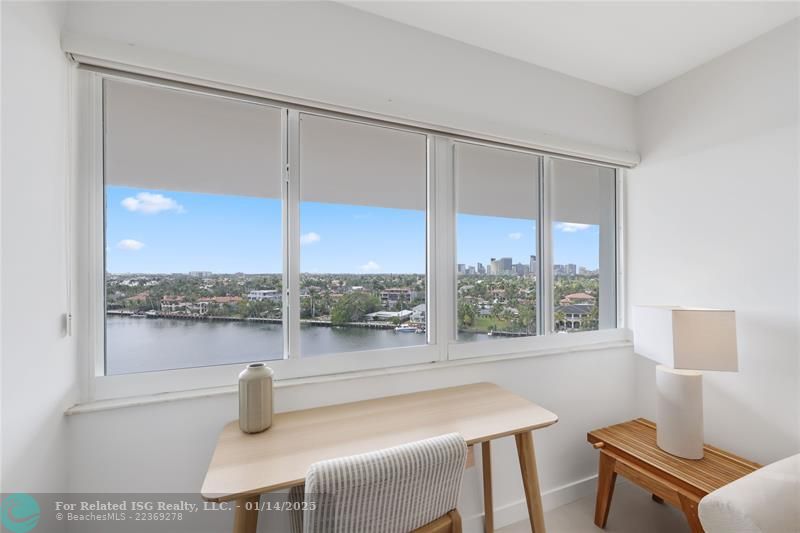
<point>517,511</point>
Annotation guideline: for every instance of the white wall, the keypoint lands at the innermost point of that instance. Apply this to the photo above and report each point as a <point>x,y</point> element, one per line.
<point>332,53</point>
<point>712,220</point>
<point>39,375</point>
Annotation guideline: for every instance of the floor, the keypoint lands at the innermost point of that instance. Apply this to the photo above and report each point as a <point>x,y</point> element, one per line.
<point>632,511</point>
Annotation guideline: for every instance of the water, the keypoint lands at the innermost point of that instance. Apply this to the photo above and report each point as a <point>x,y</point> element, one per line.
<point>146,344</point>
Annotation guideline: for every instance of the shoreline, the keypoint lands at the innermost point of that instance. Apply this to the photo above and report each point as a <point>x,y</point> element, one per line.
<point>208,318</point>
<point>303,321</point>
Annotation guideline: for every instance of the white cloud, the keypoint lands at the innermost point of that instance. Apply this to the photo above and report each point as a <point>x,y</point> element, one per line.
<point>130,244</point>
<point>309,238</point>
<point>515,236</point>
<point>572,227</point>
<point>370,267</point>
<point>151,204</point>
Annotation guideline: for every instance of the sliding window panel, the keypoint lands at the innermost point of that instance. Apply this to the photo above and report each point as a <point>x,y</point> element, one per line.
<point>583,214</point>
<point>193,233</point>
<point>497,204</point>
<point>363,240</point>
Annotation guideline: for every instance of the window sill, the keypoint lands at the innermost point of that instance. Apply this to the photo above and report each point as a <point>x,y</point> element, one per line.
<point>595,341</point>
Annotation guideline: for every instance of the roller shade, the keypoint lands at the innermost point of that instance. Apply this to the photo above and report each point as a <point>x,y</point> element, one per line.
<point>496,182</point>
<point>161,138</point>
<point>582,193</point>
<point>346,162</point>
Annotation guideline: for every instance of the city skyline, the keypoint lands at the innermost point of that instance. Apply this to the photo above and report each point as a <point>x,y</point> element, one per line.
<point>163,232</point>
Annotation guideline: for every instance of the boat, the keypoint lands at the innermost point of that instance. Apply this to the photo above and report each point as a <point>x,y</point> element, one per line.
<point>405,329</point>
<point>138,315</point>
<point>151,314</point>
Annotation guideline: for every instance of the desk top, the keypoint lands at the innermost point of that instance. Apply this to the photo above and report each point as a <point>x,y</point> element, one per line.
<point>244,465</point>
<point>637,439</point>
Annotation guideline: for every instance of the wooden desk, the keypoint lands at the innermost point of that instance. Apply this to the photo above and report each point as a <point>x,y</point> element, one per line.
<point>630,449</point>
<point>246,466</point>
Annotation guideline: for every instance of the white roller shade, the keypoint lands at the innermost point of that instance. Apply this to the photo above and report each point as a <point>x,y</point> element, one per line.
<point>582,193</point>
<point>160,138</point>
<point>346,162</point>
<point>496,182</point>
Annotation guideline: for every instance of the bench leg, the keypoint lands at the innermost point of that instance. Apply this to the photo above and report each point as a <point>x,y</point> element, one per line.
<point>246,519</point>
<point>606,478</point>
<point>689,508</point>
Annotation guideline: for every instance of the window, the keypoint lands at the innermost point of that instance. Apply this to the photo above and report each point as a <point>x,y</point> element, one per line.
<point>582,200</point>
<point>193,247</point>
<point>239,229</point>
<point>496,226</point>
<point>363,191</point>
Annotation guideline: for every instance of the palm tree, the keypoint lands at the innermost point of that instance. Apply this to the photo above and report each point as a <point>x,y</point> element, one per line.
<point>560,320</point>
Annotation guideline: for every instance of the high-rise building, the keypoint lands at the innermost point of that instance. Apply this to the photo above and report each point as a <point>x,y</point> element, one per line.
<point>534,266</point>
<point>565,270</point>
<point>501,266</point>
<point>462,268</point>
<point>481,269</point>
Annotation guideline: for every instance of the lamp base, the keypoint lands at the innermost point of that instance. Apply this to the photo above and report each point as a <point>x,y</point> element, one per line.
<point>679,418</point>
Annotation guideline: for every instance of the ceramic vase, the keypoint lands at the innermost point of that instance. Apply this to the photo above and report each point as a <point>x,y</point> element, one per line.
<point>255,398</point>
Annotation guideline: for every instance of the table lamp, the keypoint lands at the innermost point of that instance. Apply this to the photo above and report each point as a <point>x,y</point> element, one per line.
<point>683,341</point>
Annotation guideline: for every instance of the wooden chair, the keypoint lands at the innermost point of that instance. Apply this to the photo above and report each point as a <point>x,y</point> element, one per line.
<point>408,488</point>
<point>449,523</point>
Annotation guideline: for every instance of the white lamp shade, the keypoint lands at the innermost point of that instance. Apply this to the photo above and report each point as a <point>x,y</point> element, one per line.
<point>686,338</point>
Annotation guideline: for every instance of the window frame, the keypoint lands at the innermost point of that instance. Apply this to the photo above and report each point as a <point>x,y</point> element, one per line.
<point>466,350</point>
<point>441,258</point>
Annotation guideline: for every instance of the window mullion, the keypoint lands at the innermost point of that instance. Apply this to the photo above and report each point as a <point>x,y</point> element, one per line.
<point>545,282</point>
<point>291,237</point>
<point>444,250</point>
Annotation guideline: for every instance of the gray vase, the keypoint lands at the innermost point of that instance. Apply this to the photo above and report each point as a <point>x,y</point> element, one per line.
<point>255,398</point>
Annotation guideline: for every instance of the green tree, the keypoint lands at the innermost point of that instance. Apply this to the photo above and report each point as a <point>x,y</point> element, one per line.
<point>353,307</point>
<point>466,315</point>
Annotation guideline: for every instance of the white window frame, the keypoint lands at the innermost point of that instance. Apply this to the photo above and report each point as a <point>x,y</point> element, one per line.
<point>441,279</point>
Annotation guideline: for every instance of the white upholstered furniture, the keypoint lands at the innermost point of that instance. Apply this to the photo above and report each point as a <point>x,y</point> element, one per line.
<point>395,490</point>
<point>766,501</point>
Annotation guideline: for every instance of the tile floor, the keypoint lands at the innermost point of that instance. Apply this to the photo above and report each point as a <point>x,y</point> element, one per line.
<point>632,511</point>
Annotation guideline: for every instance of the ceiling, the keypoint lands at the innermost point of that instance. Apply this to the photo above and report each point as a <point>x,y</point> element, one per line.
<point>631,47</point>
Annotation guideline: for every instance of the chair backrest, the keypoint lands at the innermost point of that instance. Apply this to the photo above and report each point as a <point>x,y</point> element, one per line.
<point>395,490</point>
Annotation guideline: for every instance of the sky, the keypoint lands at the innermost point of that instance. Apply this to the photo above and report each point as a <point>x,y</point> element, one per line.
<point>151,231</point>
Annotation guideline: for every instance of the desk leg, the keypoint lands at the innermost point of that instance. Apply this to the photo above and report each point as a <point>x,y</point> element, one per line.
<point>606,478</point>
<point>488,507</point>
<point>530,480</point>
<point>246,520</point>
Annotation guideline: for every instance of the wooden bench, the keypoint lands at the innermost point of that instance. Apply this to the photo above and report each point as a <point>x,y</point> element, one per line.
<point>630,450</point>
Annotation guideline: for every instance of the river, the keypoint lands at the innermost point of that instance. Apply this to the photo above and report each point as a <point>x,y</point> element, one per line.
<point>146,344</point>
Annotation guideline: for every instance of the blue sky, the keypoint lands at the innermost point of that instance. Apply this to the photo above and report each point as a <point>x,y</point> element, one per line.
<point>151,231</point>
